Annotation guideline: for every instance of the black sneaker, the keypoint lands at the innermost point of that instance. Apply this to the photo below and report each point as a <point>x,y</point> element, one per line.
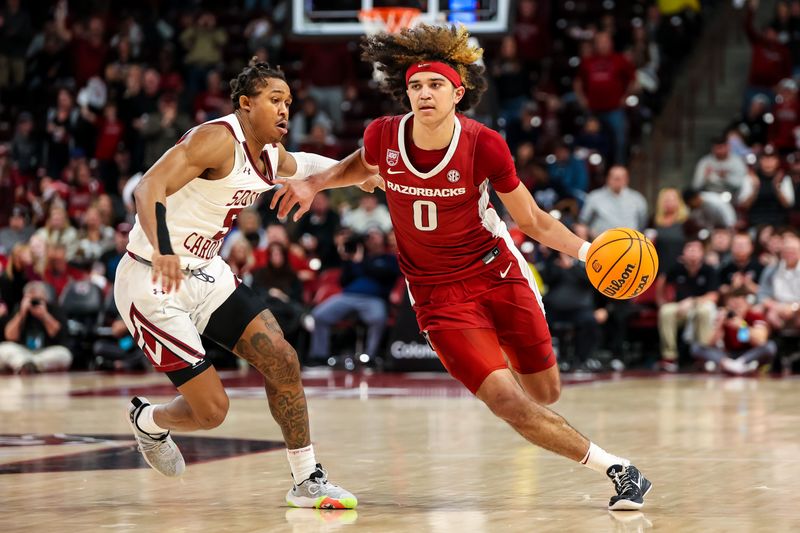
<point>631,487</point>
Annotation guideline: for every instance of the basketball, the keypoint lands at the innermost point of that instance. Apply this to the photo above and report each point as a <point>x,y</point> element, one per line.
<point>621,263</point>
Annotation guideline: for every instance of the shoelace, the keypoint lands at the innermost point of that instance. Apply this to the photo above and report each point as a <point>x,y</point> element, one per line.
<point>624,482</point>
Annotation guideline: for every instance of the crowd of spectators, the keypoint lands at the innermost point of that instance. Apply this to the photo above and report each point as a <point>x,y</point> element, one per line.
<point>91,96</point>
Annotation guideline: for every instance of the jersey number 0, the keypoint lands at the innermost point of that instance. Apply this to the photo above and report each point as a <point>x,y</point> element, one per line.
<point>425,218</point>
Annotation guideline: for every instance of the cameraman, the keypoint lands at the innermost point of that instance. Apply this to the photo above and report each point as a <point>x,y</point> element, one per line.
<point>35,334</point>
<point>368,276</point>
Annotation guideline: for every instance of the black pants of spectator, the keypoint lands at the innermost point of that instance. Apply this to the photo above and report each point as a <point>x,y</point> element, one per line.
<point>587,331</point>
<point>763,354</point>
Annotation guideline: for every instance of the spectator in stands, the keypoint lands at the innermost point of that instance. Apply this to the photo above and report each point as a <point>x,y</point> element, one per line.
<point>770,61</point>
<point>17,273</point>
<point>753,126</point>
<point>57,230</point>
<point>241,260</point>
<point>35,334</point>
<point>511,80</point>
<point>368,215</point>
<point>645,56</point>
<point>111,258</point>
<point>248,226</point>
<point>26,150</point>
<point>570,300</point>
<point>743,270</point>
<point>550,194</point>
<point>84,188</point>
<point>89,50</point>
<point>768,194</point>
<point>668,222</point>
<point>16,32</point>
<point>57,271</point>
<point>368,276</point>
<point>12,185</point>
<point>569,171</point>
<point>308,116</point>
<point>277,283</point>
<point>604,80</point>
<point>532,33</point>
<point>277,233</point>
<point>614,205</point>
<point>769,244</point>
<point>19,230</point>
<point>695,284</point>
<point>332,73</point>
<point>525,127</point>
<point>214,101</point>
<point>161,130</point>
<point>317,230</point>
<point>794,173</point>
<point>707,210</point>
<point>203,42</point>
<point>740,342</point>
<point>779,286</point>
<point>321,141</point>
<point>592,138</point>
<point>718,251</point>
<point>62,121</point>
<point>94,237</point>
<point>786,118</point>
<point>720,171</point>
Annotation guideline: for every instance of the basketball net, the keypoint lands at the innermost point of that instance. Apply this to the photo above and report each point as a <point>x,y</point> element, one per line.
<point>388,19</point>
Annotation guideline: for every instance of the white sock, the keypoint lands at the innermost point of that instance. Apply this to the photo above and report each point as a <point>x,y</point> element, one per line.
<point>146,422</point>
<point>600,460</point>
<point>303,462</point>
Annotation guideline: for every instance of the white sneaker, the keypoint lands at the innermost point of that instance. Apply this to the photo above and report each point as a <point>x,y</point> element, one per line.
<point>318,493</point>
<point>160,451</point>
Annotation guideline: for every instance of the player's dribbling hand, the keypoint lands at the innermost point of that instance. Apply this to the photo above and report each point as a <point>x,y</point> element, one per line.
<point>167,268</point>
<point>293,192</point>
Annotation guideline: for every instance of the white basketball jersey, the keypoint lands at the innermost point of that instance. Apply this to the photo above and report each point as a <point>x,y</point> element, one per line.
<point>201,214</point>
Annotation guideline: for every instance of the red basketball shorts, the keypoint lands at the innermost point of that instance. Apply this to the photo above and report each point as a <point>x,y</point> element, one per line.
<point>471,322</point>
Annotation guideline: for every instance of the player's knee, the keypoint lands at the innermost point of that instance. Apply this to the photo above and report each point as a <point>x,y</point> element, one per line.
<point>547,394</point>
<point>507,405</point>
<point>214,414</point>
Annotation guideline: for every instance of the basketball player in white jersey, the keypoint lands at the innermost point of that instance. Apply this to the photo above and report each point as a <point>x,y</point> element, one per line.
<point>172,286</point>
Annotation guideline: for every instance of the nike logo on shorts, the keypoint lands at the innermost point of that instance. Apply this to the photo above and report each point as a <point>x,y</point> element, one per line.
<point>390,171</point>
<point>504,273</point>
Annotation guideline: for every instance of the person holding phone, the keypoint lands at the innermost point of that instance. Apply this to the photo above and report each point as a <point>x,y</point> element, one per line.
<point>35,334</point>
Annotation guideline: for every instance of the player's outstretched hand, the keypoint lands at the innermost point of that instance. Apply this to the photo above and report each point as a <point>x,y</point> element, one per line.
<point>167,268</point>
<point>293,192</point>
<point>372,183</point>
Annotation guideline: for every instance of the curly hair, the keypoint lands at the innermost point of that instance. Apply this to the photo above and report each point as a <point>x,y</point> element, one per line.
<point>254,77</point>
<point>392,54</point>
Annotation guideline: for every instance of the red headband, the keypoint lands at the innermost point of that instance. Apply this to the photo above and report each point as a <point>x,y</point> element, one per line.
<point>435,66</point>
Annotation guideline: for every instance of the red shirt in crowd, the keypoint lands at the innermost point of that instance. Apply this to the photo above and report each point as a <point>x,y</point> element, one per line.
<point>731,335</point>
<point>109,135</point>
<point>605,80</point>
<point>770,62</point>
<point>786,118</point>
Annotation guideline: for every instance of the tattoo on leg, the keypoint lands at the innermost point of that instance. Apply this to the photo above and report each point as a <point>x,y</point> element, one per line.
<point>277,361</point>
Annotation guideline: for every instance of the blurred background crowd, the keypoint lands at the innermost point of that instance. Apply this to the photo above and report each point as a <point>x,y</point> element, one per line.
<point>93,92</point>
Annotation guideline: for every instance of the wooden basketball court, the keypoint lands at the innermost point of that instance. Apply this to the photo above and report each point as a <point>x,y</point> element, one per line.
<point>419,452</point>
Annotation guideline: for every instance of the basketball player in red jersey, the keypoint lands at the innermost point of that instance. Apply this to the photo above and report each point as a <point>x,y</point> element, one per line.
<point>173,287</point>
<point>473,294</point>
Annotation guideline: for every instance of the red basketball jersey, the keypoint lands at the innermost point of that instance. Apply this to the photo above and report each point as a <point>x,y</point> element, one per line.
<point>442,218</point>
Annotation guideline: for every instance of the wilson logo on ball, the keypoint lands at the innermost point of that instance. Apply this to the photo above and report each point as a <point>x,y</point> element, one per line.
<point>614,287</point>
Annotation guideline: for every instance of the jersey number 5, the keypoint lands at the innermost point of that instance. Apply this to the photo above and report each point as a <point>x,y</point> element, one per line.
<point>425,217</point>
<point>227,225</point>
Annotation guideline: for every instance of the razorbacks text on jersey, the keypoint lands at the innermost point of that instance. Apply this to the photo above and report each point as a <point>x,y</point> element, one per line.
<point>201,214</point>
<point>443,220</point>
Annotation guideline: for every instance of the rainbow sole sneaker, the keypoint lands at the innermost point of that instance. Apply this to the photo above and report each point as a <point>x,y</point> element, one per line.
<point>318,493</point>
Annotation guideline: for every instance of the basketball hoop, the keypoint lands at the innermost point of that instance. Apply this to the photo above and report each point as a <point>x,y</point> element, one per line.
<point>389,19</point>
